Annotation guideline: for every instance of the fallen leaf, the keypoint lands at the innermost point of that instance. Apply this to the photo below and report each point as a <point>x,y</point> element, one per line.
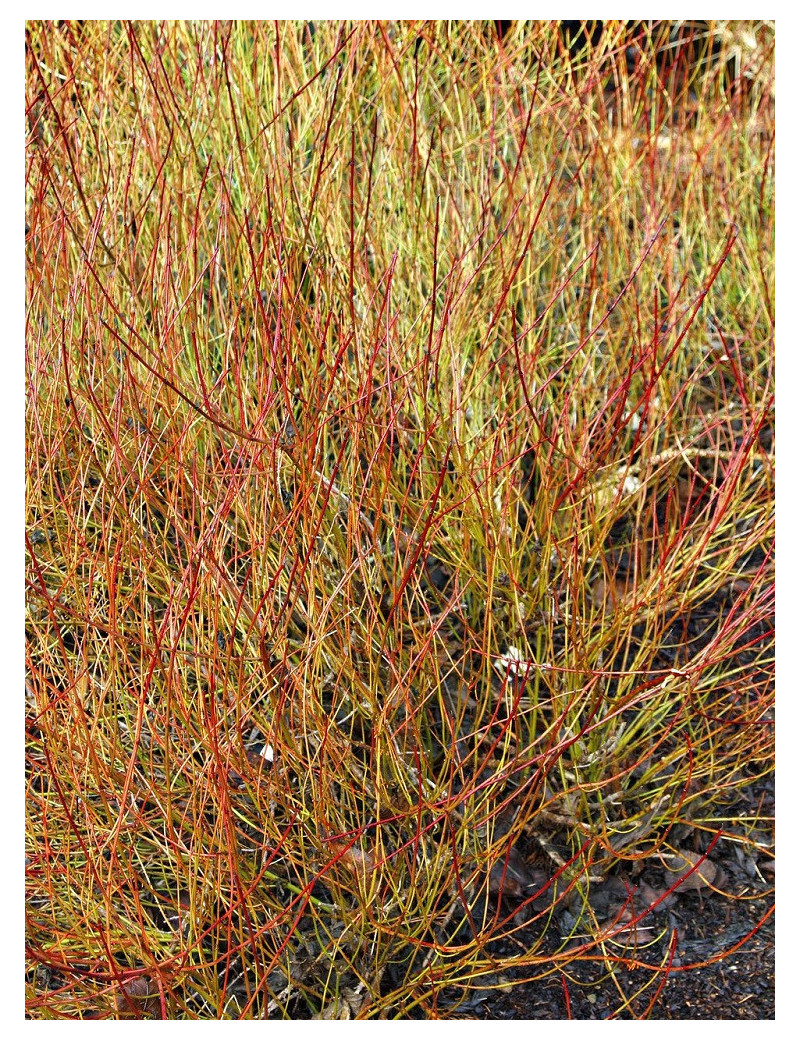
<point>512,879</point>
<point>140,997</point>
<point>353,858</point>
<point>336,1010</point>
<point>701,877</point>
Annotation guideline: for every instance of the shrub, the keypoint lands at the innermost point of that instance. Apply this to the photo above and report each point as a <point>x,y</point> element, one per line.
<point>399,514</point>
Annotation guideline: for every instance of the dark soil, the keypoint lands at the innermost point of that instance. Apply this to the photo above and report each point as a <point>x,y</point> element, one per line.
<point>703,925</point>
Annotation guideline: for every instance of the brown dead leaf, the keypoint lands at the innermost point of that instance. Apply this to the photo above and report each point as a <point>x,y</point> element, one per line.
<point>608,594</point>
<point>140,997</point>
<point>512,879</point>
<point>355,998</point>
<point>337,1010</point>
<point>677,865</point>
<point>353,858</point>
<point>636,932</point>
